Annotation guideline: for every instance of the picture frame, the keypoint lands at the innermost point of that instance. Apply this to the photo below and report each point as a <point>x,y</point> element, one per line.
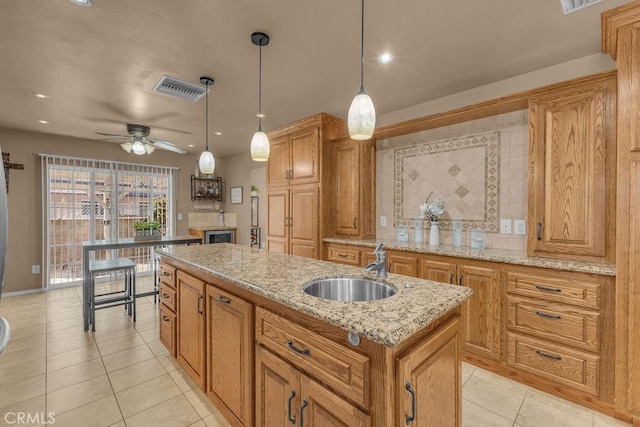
<point>236,195</point>
<point>254,211</point>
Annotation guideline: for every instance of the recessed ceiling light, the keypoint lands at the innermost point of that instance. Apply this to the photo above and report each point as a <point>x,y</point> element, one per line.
<point>262,116</point>
<point>385,58</point>
<point>44,122</point>
<point>217,133</point>
<point>190,145</point>
<point>41,95</point>
<point>82,2</point>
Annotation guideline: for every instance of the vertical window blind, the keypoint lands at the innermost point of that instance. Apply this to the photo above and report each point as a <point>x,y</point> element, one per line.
<point>88,199</point>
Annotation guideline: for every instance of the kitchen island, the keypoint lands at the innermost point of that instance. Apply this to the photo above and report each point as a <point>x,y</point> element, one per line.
<point>266,353</point>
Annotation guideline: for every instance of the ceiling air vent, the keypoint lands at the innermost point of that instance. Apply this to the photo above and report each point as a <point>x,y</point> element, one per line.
<point>569,6</point>
<point>174,87</point>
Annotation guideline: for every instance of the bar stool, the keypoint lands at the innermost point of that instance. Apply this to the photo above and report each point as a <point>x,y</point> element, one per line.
<point>125,297</point>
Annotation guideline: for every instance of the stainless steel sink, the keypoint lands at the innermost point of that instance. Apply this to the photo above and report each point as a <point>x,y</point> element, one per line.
<point>349,289</point>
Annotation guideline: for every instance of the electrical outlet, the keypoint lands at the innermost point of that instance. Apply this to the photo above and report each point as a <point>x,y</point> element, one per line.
<point>35,269</point>
<point>179,217</point>
<point>505,226</point>
<point>520,227</point>
<point>383,221</point>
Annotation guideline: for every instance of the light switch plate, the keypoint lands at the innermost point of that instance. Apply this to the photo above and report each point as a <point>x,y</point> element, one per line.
<point>383,221</point>
<point>505,226</point>
<point>520,227</point>
<point>179,217</point>
<point>35,269</point>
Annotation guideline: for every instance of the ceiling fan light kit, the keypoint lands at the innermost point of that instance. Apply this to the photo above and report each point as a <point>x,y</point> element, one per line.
<point>260,142</point>
<point>206,163</point>
<point>362,113</point>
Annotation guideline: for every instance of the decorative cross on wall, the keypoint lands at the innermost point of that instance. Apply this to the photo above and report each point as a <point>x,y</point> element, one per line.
<point>8,166</point>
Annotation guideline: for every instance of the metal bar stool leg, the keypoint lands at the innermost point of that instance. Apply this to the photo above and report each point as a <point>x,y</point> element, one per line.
<point>133,293</point>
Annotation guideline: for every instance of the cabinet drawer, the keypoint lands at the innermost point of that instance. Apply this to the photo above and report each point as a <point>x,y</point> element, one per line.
<point>344,255</point>
<point>563,365</point>
<point>576,292</point>
<point>168,275</point>
<point>168,329</point>
<point>168,296</point>
<point>554,321</point>
<point>340,368</point>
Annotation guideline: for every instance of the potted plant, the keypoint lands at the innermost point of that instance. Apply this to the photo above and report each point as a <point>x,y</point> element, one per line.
<point>254,191</point>
<point>146,230</point>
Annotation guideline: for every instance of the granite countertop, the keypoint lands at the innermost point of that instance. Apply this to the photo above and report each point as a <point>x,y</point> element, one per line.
<point>211,228</point>
<point>496,255</point>
<point>281,278</point>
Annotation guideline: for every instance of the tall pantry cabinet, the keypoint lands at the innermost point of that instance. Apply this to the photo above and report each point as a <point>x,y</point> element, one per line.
<point>299,182</point>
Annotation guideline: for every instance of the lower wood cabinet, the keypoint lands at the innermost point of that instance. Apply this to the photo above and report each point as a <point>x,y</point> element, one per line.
<point>229,353</point>
<point>482,313</point>
<point>285,397</point>
<point>168,307</point>
<point>402,263</point>
<point>429,367</point>
<point>168,329</point>
<point>191,327</point>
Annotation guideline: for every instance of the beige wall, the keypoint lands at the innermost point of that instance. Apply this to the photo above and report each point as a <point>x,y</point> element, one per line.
<point>25,195</point>
<point>241,171</point>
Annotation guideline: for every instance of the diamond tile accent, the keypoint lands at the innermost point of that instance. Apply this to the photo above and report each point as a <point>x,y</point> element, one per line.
<point>413,174</point>
<point>462,191</point>
<point>454,170</point>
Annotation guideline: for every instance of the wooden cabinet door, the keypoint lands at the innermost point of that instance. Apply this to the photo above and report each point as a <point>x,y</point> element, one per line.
<point>305,156</point>
<point>438,271</point>
<point>321,408</point>
<point>279,164</point>
<point>430,376</point>
<point>277,393</point>
<point>482,313</point>
<point>402,264</point>
<point>277,220</point>
<point>571,132</point>
<point>347,188</point>
<point>303,229</point>
<point>191,334</point>
<point>229,352</point>
<point>168,329</point>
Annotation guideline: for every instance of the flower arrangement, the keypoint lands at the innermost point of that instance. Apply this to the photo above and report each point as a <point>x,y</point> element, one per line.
<point>432,210</point>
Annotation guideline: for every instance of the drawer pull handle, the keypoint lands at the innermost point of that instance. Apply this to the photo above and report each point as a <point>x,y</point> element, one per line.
<point>343,255</point>
<point>199,309</point>
<point>547,315</point>
<point>165,295</point>
<point>306,352</point>
<point>355,223</point>
<point>548,356</point>
<point>460,280</point>
<point>165,318</point>
<point>410,389</point>
<point>166,274</point>
<point>545,288</point>
<point>223,300</point>
<point>291,418</point>
<point>539,226</point>
<point>304,405</point>
<point>451,278</point>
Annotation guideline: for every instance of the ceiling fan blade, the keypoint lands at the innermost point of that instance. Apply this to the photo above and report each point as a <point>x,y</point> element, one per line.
<point>113,136</point>
<point>166,145</point>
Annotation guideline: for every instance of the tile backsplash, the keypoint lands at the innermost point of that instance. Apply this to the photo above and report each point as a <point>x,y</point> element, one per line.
<point>478,167</point>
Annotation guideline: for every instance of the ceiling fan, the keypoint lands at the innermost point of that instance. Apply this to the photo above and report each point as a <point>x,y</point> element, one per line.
<point>139,142</point>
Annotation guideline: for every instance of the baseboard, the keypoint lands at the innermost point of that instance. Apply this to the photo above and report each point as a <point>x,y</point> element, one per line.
<point>25,292</point>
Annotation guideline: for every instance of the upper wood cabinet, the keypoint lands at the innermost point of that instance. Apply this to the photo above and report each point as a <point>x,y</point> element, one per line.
<point>355,189</point>
<point>572,153</point>
<point>295,158</point>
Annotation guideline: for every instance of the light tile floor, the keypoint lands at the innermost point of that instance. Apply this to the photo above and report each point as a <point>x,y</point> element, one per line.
<point>121,375</point>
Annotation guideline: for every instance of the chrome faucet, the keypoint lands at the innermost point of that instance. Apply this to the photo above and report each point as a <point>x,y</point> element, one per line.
<point>380,264</point>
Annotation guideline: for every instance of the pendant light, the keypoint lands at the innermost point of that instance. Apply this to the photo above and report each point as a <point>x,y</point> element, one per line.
<point>207,163</point>
<point>260,142</point>
<point>362,114</point>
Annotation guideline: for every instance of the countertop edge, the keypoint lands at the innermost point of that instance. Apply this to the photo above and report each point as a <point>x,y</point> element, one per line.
<point>493,255</point>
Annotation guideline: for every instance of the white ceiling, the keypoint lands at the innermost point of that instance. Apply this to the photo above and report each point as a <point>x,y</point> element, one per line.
<point>99,64</point>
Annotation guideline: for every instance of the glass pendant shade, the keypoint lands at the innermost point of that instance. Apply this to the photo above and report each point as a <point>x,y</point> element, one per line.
<point>138,148</point>
<point>362,117</point>
<point>260,147</point>
<point>207,163</point>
